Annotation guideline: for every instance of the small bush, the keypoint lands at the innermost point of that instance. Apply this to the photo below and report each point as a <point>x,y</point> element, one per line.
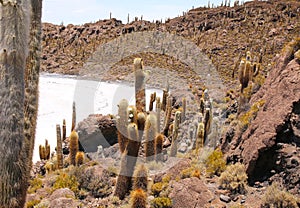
<point>161,202</point>
<point>215,163</point>
<point>31,204</point>
<point>156,188</point>
<point>275,196</point>
<point>234,179</point>
<point>35,184</point>
<point>64,180</point>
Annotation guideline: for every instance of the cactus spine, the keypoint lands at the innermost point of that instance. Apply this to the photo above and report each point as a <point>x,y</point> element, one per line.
<point>139,85</point>
<point>122,122</point>
<point>150,134</point>
<point>59,152</point>
<point>173,152</point>
<point>79,158</point>
<point>140,178</point>
<point>64,130</point>
<point>138,199</point>
<point>73,147</point>
<point>152,100</point>
<point>73,116</point>
<point>159,147</point>
<point>128,162</point>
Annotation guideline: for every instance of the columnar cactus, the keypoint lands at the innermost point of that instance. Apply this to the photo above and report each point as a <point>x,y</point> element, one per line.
<point>158,110</point>
<point>150,134</point>
<point>138,199</point>
<point>202,105</point>
<point>64,130</point>
<point>79,158</point>
<point>74,146</point>
<point>164,100</point>
<point>73,116</point>
<point>44,151</point>
<point>167,116</point>
<point>152,100</point>
<point>200,136</point>
<point>122,123</point>
<point>141,119</point>
<point>140,180</point>
<point>207,122</point>
<point>59,151</point>
<point>183,109</point>
<point>140,99</point>
<point>159,147</point>
<point>177,118</point>
<point>128,161</point>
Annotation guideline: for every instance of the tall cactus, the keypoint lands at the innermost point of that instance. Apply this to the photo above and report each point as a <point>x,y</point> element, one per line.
<point>200,136</point>
<point>152,100</point>
<point>177,118</point>
<point>59,151</point>
<point>74,147</point>
<point>140,180</point>
<point>158,110</point>
<point>164,100</point>
<point>140,94</point>
<point>128,161</point>
<point>150,134</point>
<point>132,114</point>
<point>64,130</point>
<point>207,122</point>
<point>122,122</point>
<point>159,147</point>
<point>73,116</point>
<point>167,116</point>
<point>141,119</point>
<point>138,199</point>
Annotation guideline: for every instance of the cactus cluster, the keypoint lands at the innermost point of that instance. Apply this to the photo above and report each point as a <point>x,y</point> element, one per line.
<point>44,151</point>
<point>74,147</point>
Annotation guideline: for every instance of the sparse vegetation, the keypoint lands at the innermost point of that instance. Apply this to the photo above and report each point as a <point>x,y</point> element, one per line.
<point>215,163</point>
<point>161,202</point>
<point>64,180</point>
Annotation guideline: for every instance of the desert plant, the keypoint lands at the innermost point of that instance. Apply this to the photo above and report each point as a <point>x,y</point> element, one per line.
<point>64,180</point>
<point>215,163</point>
<point>140,101</point>
<point>64,130</point>
<point>168,113</point>
<point>164,100</point>
<point>141,119</point>
<point>234,179</point>
<point>34,185</point>
<point>161,202</point>
<point>140,180</point>
<point>79,158</point>
<point>44,151</point>
<point>59,151</point>
<point>74,146</point>
<point>138,199</point>
<point>158,110</point>
<point>132,114</point>
<point>200,136</point>
<point>159,147</point>
<point>152,100</point>
<point>176,123</point>
<point>207,122</point>
<point>73,116</point>
<point>276,196</point>
<point>150,134</point>
<point>122,122</point>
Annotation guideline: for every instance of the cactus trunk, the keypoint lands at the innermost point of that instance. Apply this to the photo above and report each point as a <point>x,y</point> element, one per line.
<point>59,151</point>
<point>140,100</point>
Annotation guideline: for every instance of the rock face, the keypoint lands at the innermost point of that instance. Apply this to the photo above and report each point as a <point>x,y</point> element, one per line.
<point>272,140</point>
<point>190,192</point>
<point>97,130</point>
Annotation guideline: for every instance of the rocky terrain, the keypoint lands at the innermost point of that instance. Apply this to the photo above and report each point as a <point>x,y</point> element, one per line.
<point>251,157</point>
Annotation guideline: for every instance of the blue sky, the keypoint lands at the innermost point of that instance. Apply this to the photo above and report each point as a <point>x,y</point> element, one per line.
<point>85,11</point>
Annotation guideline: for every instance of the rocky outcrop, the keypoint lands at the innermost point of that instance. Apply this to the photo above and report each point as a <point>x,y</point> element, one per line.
<point>271,144</point>
<point>97,130</point>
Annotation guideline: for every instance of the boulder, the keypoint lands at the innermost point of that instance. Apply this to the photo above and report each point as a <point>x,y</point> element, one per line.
<point>97,130</point>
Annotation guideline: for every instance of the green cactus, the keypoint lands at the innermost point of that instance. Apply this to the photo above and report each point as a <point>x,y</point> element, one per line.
<point>150,134</point>
<point>74,146</point>
<point>152,100</point>
<point>59,151</point>
<point>140,180</point>
<point>159,147</point>
<point>177,118</point>
<point>140,94</point>
<point>138,199</point>
<point>73,116</point>
<point>122,123</point>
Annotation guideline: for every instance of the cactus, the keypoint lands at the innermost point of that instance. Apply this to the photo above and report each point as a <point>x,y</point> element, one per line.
<point>59,151</point>
<point>173,152</point>
<point>138,199</point>
<point>122,122</point>
<point>152,100</point>
<point>158,110</point>
<point>141,119</point>
<point>64,130</point>
<point>159,147</point>
<point>140,101</point>
<point>207,122</point>
<point>202,105</point>
<point>128,162</point>
<point>132,114</point>
<point>167,116</point>
<point>183,109</point>
<point>140,180</point>
<point>44,151</point>
<point>200,136</point>
<point>73,116</point>
<point>79,158</point>
<point>164,100</point>
<point>150,134</point>
<point>74,146</point>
